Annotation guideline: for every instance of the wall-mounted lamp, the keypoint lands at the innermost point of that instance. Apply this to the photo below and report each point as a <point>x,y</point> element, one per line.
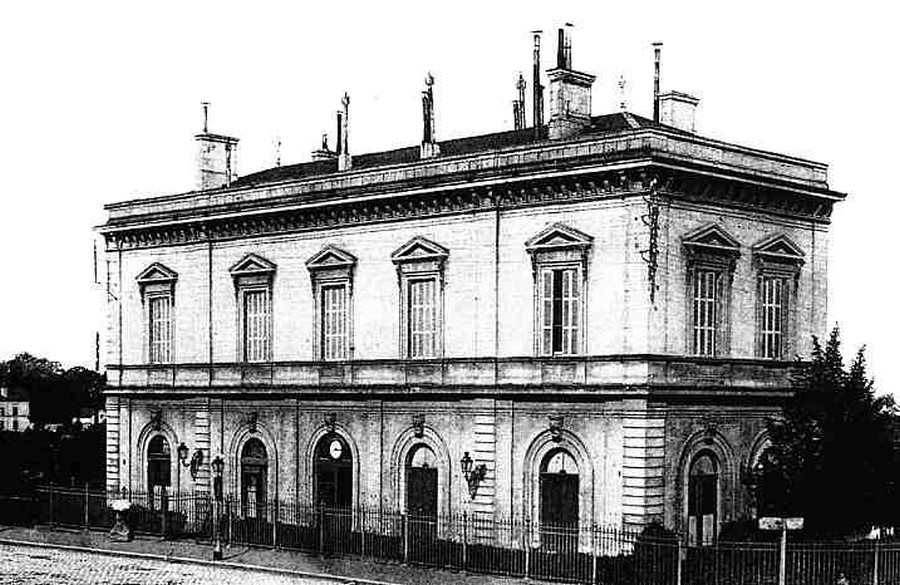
<point>472,475</point>
<point>183,454</point>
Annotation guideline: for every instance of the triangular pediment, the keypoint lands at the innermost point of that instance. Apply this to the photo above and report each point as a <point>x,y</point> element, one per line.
<point>419,248</point>
<point>331,257</point>
<point>252,264</point>
<point>157,272</point>
<point>779,247</point>
<point>711,237</point>
<point>559,235</point>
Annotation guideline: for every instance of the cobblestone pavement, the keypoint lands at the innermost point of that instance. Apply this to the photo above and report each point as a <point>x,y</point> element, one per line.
<point>25,565</point>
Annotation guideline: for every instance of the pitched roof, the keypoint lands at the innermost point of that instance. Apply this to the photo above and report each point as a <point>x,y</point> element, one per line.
<point>606,124</point>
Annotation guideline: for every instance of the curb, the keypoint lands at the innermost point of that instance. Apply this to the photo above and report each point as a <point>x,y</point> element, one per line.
<point>194,561</point>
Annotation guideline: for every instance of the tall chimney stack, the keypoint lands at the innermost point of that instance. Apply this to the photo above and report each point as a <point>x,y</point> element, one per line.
<point>536,87</point>
<point>570,94</point>
<point>657,50</point>
<point>344,159</point>
<point>216,157</point>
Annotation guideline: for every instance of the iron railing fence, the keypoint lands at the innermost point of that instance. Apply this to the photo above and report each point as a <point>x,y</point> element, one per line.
<point>469,542</point>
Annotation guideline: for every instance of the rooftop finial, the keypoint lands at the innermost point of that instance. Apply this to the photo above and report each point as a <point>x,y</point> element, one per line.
<point>344,159</point>
<point>278,151</point>
<point>429,145</point>
<point>657,51</point>
<point>205,116</point>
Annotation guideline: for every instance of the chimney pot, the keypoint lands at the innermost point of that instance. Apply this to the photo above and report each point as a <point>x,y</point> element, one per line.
<point>216,157</point>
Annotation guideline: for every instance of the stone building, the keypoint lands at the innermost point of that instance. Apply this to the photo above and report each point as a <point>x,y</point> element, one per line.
<point>14,410</point>
<point>599,312</point>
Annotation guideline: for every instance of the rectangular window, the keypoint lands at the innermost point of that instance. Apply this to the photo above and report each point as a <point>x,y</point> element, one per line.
<point>705,311</point>
<point>15,411</point>
<point>2,425</point>
<point>772,314</point>
<point>257,329</point>
<point>15,424</point>
<point>560,318</point>
<point>160,329</point>
<point>422,318</point>
<point>334,322</point>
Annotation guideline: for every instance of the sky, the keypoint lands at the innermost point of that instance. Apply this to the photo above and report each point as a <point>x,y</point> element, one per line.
<point>99,102</point>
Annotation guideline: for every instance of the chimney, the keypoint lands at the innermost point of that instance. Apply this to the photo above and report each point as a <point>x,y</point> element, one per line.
<point>216,157</point>
<point>657,50</point>
<point>343,150</point>
<point>678,110</point>
<point>570,94</point>
<point>536,87</point>
<point>430,147</point>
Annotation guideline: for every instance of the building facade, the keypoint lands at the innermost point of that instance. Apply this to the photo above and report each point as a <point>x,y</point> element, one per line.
<point>598,313</point>
<point>14,410</point>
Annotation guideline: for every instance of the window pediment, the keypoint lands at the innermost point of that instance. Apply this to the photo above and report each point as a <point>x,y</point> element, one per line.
<point>157,273</point>
<point>711,239</point>
<point>558,236</point>
<point>778,250</point>
<point>331,257</point>
<point>420,249</point>
<point>252,268</point>
<point>157,279</point>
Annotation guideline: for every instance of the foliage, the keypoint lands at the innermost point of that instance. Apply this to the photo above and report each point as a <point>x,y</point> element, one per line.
<point>832,458</point>
<point>55,395</point>
<point>67,456</point>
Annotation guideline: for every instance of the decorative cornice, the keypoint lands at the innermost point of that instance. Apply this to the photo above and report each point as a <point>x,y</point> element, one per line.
<point>606,184</point>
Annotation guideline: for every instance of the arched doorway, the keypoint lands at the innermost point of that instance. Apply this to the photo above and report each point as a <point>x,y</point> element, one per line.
<point>254,471</point>
<point>559,488</point>
<point>334,472</point>
<point>422,496</point>
<point>159,471</point>
<point>703,499</point>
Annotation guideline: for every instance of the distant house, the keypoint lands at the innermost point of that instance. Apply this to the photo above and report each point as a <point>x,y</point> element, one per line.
<point>14,410</point>
<point>88,416</point>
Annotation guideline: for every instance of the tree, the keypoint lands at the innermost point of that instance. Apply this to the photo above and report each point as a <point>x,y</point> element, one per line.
<point>832,458</point>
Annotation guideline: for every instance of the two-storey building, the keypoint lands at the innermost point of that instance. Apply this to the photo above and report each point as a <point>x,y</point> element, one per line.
<point>597,314</point>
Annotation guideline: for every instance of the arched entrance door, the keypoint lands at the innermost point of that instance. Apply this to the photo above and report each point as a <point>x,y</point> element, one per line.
<point>334,491</point>
<point>254,471</point>
<point>334,472</point>
<point>159,471</point>
<point>559,488</point>
<point>422,496</point>
<point>703,500</point>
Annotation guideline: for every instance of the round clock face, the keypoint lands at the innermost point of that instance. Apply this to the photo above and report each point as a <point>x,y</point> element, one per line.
<point>335,449</point>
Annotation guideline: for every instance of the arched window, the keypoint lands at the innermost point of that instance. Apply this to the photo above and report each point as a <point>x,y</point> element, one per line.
<point>559,500</point>
<point>159,469</point>
<point>703,499</point>
<point>254,470</point>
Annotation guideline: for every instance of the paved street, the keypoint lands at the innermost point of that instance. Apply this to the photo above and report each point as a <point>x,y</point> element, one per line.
<point>24,565</point>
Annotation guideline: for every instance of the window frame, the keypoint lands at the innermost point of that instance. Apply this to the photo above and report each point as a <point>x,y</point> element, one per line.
<point>155,282</point>
<point>331,267</point>
<point>560,247</point>
<point>710,249</point>
<point>253,274</point>
<point>777,258</point>
<point>416,261</point>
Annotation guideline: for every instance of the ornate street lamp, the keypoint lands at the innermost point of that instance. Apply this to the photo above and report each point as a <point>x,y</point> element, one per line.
<point>473,476</point>
<point>217,466</point>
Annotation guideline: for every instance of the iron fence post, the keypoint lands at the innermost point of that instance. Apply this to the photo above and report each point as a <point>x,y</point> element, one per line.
<point>593,553</point>
<point>51,505</point>
<point>679,561</point>
<point>86,516</point>
<point>404,528</point>
<point>465,550</point>
<point>782,558</point>
<point>526,543</point>
<point>875,565</point>
<point>275,524</point>
<point>163,504</point>
<point>321,529</point>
